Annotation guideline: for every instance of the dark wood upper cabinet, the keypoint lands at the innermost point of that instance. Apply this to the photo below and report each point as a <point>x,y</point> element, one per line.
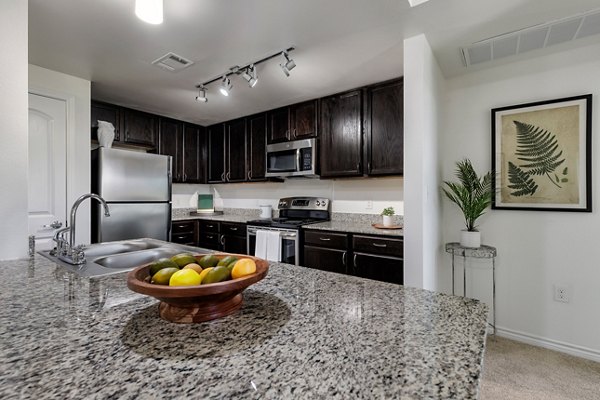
<point>194,154</point>
<point>341,135</point>
<point>216,153</point>
<point>140,127</point>
<point>256,141</point>
<point>303,120</point>
<point>105,112</point>
<point>278,125</point>
<point>236,150</point>
<point>171,144</point>
<point>384,119</point>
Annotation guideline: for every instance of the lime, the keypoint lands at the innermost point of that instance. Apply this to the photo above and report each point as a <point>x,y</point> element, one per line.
<point>183,259</point>
<point>162,276</point>
<point>219,273</point>
<point>208,261</point>
<point>160,264</point>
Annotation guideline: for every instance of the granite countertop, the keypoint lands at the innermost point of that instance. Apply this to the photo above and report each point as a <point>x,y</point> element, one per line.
<point>301,333</point>
<point>354,227</point>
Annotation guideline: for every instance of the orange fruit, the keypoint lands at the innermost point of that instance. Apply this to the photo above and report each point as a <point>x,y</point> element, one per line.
<point>193,266</point>
<point>185,277</point>
<point>204,272</point>
<point>243,267</point>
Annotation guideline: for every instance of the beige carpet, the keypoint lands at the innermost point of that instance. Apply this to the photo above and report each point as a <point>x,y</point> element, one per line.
<point>513,370</point>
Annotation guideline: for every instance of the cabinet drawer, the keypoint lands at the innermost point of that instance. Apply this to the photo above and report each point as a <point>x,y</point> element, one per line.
<point>183,227</point>
<point>209,238</point>
<point>326,239</point>
<point>378,245</point>
<point>183,238</point>
<point>234,229</point>
<point>209,226</point>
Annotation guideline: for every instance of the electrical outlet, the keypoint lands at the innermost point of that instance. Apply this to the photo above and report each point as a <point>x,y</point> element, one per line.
<point>561,293</point>
<point>369,204</point>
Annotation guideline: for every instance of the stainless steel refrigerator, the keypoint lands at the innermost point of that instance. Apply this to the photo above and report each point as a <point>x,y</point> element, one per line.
<point>137,188</point>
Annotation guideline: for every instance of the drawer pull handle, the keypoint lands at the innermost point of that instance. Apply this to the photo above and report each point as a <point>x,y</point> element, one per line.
<point>379,244</point>
<point>210,226</point>
<point>325,239</point>
<point>210,236</point>
<point>233,229</point>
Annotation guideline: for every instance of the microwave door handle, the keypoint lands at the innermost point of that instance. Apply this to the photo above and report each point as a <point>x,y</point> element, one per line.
<point>298,160</point>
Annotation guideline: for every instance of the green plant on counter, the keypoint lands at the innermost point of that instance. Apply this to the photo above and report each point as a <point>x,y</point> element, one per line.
<point>389,211</point>
<point>473,194</point>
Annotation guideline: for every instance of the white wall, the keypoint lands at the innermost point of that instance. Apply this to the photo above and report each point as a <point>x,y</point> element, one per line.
<point>423,90</point>
<point>535,249</point>
<point>13,128</point>
<point>76,92</point>
<point>347,195</point>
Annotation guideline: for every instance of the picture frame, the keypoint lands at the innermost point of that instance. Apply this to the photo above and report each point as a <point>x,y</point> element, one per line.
<point>542,155</point>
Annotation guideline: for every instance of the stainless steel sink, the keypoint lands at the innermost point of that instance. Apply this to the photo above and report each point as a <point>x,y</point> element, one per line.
<point>117,257</point>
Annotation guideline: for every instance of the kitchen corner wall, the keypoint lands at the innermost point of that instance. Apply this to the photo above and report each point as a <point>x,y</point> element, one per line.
<point>347,195</point>
<point>13,124</point>
<point>536,249</point>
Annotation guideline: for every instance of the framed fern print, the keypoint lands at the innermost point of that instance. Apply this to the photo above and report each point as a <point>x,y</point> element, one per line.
<point>541,155</point>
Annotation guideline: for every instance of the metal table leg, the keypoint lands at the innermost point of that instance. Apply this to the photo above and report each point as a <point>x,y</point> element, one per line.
<point>494,293</point>
<point>464,276</point>
<point>452,273</point>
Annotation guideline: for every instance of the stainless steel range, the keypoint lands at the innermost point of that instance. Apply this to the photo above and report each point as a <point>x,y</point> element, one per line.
<point>294,212</point>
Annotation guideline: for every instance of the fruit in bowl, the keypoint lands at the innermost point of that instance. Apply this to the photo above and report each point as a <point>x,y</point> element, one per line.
<point>207,287</point>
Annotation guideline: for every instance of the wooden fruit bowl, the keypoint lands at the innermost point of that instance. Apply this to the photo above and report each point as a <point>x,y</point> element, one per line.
<point>188,304</point>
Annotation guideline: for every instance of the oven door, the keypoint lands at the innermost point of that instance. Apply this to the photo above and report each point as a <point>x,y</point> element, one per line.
<point>289,243</point>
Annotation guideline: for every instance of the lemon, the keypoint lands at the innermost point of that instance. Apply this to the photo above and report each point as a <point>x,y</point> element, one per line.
<point>162,276</point>
<point>193,266</point>
<point>204,272</point>
<point>243,267</point>
<point>185,277</point>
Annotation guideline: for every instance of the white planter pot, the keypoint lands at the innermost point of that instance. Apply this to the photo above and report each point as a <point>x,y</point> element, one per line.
<point>388,220</point>
<point>470,238</point>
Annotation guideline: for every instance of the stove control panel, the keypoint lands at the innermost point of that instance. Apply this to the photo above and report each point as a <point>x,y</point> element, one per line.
<point>304,203</point>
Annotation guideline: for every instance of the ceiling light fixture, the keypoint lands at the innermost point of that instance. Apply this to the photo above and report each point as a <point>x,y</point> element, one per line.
<point>201,98</point>
<point>225,86</point>
<point>150,11</point>
<point>248,73</point>
<point>288,65</point>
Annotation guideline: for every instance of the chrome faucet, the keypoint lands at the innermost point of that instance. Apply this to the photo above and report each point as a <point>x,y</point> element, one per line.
<point>66,250</point>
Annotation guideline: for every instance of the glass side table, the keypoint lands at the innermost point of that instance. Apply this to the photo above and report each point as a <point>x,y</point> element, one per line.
<point>478,252</point>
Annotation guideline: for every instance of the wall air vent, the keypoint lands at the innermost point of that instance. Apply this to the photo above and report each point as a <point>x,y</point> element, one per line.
<point>532,38</point>
<point>172,62</point>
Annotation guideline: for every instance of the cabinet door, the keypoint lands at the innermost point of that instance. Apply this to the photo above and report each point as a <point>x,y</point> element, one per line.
<point>193,154</point>
<point>278,125</point>
<point>233,244</point>
<point>236,150</point>
<point>105,112</point>
<point>381,268</point>
<point>216,153</point>
<point>303,120</point>
<point>171,144</point>
<point>140,127</point>
<point>325,259</point>
<point>341,135</point>
<point>257,137</point>
<point>385,128</point>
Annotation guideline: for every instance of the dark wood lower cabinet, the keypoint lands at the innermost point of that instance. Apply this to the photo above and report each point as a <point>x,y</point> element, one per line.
<point>233,244</point>
<point>325,259</point>
<point>381,268</point>
<point>184,232</point>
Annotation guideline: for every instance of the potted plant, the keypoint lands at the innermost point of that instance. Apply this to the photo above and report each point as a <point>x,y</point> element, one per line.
<point>387,214</point>
<point>473,195</point>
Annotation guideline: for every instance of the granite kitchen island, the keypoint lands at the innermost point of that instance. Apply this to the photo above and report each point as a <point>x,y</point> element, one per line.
<point>301,333</point>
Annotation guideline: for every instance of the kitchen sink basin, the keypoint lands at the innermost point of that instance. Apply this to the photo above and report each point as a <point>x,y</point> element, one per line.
<point>117,257</point>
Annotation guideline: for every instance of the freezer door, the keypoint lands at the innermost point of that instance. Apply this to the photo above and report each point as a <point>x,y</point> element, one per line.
<point>124,175</point>
<point>132,221</point>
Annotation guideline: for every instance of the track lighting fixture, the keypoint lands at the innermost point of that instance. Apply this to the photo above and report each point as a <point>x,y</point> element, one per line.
<point>225,86</point>
<point>201,98</point>
<point>250,75</point>
<point>248,72</point>
<point>288,65</point>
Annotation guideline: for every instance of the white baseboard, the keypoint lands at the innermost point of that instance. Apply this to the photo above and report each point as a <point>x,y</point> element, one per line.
<point>574,350</point>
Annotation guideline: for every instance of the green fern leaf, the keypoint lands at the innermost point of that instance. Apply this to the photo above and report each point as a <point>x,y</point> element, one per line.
<point>565,170</point>
<point>520,181</point>
<point>538,149</point>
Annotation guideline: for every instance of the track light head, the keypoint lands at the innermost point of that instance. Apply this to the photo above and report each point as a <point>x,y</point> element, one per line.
<point>288,65</point>
<point>225,86</point>
<point>250,75</point>
<point>201,98</point>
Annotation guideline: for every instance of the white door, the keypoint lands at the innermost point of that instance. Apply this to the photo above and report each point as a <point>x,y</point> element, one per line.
<point>47,168</point>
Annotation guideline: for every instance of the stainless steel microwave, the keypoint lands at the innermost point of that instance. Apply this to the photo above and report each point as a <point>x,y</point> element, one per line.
<point>295,158</point>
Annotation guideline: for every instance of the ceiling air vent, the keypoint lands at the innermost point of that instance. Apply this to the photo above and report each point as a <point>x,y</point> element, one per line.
<point>532,38</point>
<point>172,62</point>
